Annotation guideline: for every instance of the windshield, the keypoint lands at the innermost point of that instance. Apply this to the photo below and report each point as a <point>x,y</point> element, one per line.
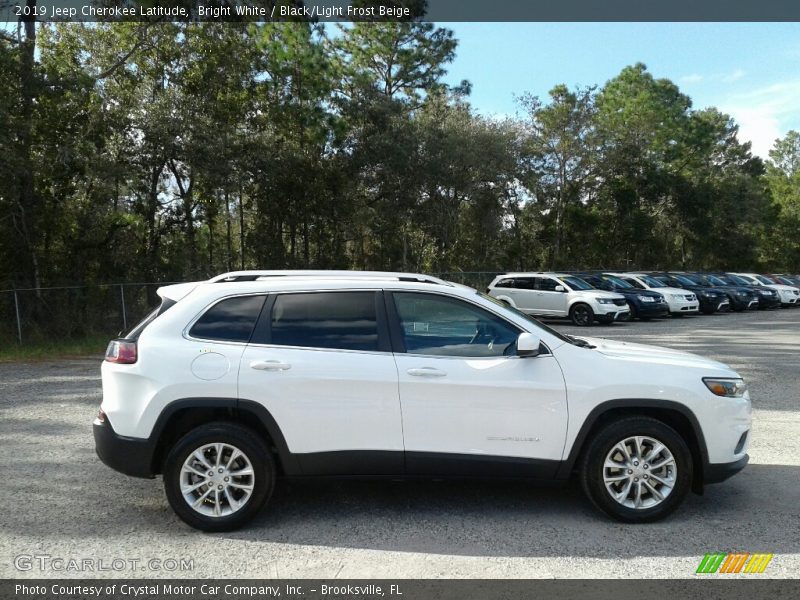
<point>786,280</point>
<point>575,283</point>
<point>737,280</point>
<point>764,280</point>
<point>616,281</point>
<point>684,280</point>
<point>693,279</point>
<point>564,338</point>
<point>715,280</point>
<point>651,281</point>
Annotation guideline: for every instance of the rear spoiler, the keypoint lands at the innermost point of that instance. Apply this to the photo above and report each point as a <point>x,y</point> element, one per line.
<point>177,291</point>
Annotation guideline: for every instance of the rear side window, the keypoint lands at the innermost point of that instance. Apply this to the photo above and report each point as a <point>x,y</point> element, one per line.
<point>230,320</point>
<point>505,283</point>
<point>340,320</point>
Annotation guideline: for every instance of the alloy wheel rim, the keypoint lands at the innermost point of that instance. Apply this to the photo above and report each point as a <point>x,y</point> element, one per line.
<point>639,472</point>
<point>217,480</point>
<point>581,315</point>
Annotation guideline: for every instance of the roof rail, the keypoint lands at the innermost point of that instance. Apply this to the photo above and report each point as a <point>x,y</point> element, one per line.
<point>236,276</point>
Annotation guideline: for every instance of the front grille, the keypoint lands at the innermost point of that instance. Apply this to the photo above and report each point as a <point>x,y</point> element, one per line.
<point>620,302</point>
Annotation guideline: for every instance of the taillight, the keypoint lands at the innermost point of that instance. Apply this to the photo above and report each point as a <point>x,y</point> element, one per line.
<point>121,351</point>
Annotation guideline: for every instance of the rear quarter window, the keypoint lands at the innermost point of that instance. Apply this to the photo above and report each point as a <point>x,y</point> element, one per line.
<point>229,320</point>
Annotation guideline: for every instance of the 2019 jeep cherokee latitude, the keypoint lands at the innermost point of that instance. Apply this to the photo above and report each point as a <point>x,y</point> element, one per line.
<point>254,375</point>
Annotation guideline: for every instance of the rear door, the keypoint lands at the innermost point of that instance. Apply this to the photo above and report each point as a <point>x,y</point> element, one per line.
<point>320,363</point>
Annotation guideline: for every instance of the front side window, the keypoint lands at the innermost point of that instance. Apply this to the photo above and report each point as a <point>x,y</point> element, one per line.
<point>545,284</point>
<point>441,326</point>
<point>230,320</point>
<point>340,320</point>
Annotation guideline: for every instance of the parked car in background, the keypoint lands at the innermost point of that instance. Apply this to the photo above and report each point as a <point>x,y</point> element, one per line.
<point>741,297</point>
<point>711,300</point>
<point>679,301</point>
<point>792,280</point>
<point>248,377</point>
<point>558,295</point>
<point>790,295</point>
<point>645,304</point>
<point>767,297</point>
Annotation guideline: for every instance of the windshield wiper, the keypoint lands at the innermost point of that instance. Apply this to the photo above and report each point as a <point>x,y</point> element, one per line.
<point>580,342</point>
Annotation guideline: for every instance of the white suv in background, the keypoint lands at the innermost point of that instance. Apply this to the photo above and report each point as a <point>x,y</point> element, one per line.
<point>789,294</point>
<point>559,295</point>
<point>680,301</point>
<point>249,376</point>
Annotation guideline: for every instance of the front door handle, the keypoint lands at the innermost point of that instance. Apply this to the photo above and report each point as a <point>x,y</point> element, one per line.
<point>426,372</point>
<point>270,365</point>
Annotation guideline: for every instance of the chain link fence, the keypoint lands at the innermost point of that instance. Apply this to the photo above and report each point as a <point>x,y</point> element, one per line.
<point>75,312</point>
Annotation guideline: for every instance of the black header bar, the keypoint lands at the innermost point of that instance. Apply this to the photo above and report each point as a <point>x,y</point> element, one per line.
<point>392,10</point>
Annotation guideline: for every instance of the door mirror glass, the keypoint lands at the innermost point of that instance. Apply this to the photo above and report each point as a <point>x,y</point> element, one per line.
<point>560,288</point>
<point>528,344</point>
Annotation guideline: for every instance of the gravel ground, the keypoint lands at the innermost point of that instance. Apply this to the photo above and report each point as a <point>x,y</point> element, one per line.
<point>63,503</point>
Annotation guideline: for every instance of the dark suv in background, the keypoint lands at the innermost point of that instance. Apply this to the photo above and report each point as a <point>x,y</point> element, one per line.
<point>644,303</point>
<point>767,298</point>
<point>741,297</point>
<point>711,299</point>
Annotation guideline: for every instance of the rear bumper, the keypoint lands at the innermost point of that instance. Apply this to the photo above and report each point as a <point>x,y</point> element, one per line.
<point>131,456</point>
<point>717,472</point>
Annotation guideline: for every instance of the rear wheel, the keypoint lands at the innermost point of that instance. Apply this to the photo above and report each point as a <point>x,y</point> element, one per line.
<point>581,315</point>
<point>636,470</point>
<point>218,476</point>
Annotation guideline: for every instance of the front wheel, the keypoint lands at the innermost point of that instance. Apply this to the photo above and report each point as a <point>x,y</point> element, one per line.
<point>218,476</point>
<point>636,470</point>
<point>581,315</point>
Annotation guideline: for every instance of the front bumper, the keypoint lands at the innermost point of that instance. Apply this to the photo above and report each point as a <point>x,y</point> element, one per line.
<point>717,472</point>
<point>744,302</point>
<point>789,300</point>
<point>131,456</point>
<point>653,309</point>
<point>769,301</point>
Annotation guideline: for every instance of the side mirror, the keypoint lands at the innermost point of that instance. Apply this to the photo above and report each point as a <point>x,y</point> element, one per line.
<point>528,344</point>
<point>560,288</point>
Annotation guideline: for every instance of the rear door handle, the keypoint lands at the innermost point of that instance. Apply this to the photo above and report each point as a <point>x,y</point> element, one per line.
<point>426,372</point>
<point>270,365</point>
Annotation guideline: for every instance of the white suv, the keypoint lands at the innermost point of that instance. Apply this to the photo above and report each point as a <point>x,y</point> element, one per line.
<point>680,301</point>
<point>234,382</point>
<point>789,294</point>
<point>559,295</point>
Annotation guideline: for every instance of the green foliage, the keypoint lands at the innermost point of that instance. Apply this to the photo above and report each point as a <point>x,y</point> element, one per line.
<point>168,151</point>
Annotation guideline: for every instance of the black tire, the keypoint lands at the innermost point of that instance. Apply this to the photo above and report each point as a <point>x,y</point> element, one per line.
<point>602,442</point>
<point>257,452</point>
<point>581,314</point>
<point>634,312</point>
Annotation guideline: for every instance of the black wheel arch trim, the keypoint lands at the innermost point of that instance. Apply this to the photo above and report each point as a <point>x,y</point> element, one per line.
<point>239,409</point>
<point>567,465</point>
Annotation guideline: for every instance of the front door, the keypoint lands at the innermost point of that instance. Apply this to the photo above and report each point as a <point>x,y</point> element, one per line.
<point>470,406</point>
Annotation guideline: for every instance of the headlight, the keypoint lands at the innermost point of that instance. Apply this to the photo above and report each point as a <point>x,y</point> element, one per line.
<point>605,301</point>
<point>647,299</point>
<point>741,293</point>
<point>726,387</point>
